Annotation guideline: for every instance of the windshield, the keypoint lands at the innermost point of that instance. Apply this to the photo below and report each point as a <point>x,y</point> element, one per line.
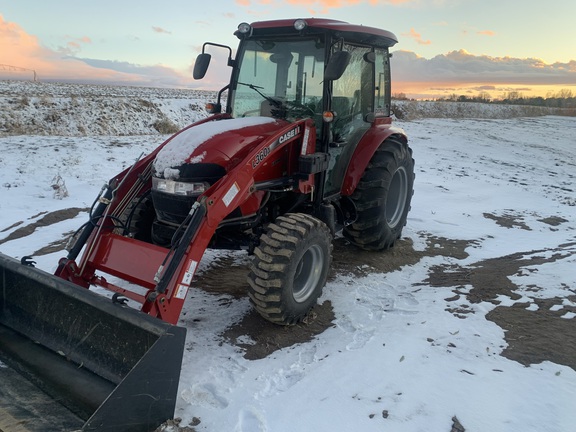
<point>279,78</point>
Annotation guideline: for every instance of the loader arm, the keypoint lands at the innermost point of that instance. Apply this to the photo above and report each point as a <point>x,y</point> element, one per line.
<point>167,299</point>
<point>163,276</point>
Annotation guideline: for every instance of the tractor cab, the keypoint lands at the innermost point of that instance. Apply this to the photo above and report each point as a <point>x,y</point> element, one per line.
<point>335,73</point>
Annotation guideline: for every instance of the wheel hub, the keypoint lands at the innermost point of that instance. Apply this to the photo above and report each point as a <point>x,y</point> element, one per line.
<point>396,198</point>
<point>308,273</point>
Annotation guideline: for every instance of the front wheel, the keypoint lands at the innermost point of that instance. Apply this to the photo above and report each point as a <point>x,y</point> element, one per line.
<point>290,268</point>
<point>382,197</point>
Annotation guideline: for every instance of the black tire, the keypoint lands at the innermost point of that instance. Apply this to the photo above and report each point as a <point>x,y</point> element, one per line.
<point>382,197</point>
<point>290,268</point>
<point>140,223</point>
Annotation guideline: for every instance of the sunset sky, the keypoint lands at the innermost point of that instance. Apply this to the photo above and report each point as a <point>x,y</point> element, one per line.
<point>445,46</point>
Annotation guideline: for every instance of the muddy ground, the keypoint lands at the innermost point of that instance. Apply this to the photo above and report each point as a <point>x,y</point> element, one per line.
<point>533,336</point>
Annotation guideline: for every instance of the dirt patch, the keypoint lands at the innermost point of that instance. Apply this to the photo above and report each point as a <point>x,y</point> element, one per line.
<point>508,220</point>
<point>260,338</point>
<point>47,219</point>
<point>553,220</point>
<point>55,246</point>
<point>489,278</point>
<point>532,335</point>
<point>537,336</point>
<point>264,337</point>
<point>543,332</point>
<point>349,259</point>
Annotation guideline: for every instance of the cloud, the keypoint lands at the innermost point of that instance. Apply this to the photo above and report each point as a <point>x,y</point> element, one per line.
<point>417,37</point>
<point>486,32</point>
<point>322,6</point>
<point>462,71</point>
<point>21,50</point>
<point>454,70</point>
<point>461,66</point>
<point>160,30</point>
<point>332,4</point>
<point>74,45</point>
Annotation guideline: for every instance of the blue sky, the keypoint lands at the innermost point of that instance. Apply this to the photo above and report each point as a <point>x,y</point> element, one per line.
<point>446,46</point>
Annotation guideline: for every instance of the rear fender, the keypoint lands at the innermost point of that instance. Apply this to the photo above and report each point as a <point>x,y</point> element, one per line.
<point>380,131</point>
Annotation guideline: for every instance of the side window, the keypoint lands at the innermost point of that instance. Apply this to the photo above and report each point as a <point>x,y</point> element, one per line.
<point>382,88</point>
<point>353,93</point>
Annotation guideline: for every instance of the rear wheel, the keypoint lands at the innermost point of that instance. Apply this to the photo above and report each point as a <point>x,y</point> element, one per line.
<point>382,197</point>
<point>290,268</point>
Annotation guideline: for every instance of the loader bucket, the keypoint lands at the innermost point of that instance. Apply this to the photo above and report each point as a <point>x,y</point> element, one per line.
<point>100,365</point>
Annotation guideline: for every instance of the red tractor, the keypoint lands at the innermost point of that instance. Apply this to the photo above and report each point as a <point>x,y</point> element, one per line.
<point>299,147</point>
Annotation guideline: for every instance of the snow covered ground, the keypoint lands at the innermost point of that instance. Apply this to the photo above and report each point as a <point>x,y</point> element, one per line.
<point>398,357</point>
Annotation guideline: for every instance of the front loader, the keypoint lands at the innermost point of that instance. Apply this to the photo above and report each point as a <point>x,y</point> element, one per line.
<point>299,147</point>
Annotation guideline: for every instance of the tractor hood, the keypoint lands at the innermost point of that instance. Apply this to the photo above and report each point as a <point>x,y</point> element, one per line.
<point>223,142</point>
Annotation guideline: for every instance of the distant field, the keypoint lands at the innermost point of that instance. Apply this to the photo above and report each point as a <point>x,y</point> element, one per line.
<point>38,108</point>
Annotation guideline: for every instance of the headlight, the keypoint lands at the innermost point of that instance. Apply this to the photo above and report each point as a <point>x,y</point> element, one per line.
<point>179,188</point>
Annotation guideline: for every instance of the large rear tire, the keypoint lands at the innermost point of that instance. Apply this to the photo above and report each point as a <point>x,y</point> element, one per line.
<point>382,197</point>
<point>290,268</point>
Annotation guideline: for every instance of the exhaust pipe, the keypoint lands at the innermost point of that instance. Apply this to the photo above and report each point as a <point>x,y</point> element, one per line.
<point>113,368</point>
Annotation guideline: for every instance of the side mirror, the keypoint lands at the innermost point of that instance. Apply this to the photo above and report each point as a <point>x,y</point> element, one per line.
<point>201,65</point>
<point>337,65</point>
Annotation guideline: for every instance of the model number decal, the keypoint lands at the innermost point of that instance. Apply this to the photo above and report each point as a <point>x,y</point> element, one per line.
<point>262,154</point>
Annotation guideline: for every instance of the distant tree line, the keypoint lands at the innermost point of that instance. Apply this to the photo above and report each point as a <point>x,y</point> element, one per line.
<point>562,99</point>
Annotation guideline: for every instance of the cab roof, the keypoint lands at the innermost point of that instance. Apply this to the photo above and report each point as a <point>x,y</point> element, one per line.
<point>350,32</point>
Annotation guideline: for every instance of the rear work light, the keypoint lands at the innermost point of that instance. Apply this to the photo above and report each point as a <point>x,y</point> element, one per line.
<point>179,188</point>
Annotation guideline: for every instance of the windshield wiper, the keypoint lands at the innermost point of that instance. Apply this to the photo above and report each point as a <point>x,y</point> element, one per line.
<point>257,89</point>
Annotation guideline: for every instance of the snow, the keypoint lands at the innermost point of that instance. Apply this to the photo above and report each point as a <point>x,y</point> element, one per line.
<point>396,358</point>
<point>85,110</point>
<point>178,150</point>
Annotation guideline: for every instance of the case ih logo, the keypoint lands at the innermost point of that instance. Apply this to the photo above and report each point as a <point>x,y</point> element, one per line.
<point>290,134</point>
<point>263,154</point>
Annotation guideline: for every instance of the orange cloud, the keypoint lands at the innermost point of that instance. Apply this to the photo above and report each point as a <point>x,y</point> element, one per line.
<point>74,45</point>
<point>21,50</point>
<point>323,5</point>
<point>486,32</point>
<point>417,37</point>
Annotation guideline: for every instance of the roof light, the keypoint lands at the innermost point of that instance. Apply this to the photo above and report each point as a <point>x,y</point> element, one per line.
<point>300,24</point>
<point>244,28</point>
